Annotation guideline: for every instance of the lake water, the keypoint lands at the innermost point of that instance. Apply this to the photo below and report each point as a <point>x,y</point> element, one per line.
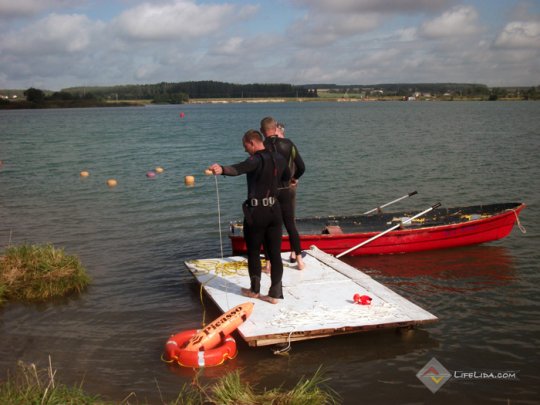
<point>133,240</point>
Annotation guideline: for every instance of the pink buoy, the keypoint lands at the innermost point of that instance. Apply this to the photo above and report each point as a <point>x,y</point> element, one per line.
<point>150,174</point>
<point>182,115</point>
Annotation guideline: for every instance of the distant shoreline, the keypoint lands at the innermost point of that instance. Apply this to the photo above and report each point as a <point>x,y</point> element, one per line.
<point>336,99</point>
<point>24,105</point>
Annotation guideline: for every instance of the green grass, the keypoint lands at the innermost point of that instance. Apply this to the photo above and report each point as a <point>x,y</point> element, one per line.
<point>39,273</point>
<point>32,386</point>
<point>230,390</point>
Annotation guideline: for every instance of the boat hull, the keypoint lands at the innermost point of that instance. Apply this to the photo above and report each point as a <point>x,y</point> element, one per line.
<point>406,240</point>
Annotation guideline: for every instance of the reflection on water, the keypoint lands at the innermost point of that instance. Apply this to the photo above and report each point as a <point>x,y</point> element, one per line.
<point>453,270</point>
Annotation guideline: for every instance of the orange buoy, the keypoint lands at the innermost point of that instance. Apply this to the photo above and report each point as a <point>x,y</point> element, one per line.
<point>208,172</point>
<point>213,333</point>
<point>159,169</point>
<point>112,183</point>
<point>84,173</point>
<point>189,180</point>
<point>174,351</point>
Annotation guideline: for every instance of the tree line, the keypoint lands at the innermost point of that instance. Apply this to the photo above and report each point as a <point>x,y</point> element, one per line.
<point>184,91</point>
<point>37,98</point>
<point>181,92</point>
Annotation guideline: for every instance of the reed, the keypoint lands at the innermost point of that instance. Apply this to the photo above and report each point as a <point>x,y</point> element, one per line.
<point>39,273</point>
<point>28,385</point>
<point>231,390</point>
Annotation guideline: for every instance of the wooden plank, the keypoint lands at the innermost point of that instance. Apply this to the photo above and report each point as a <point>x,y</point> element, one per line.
<point>318,300</point>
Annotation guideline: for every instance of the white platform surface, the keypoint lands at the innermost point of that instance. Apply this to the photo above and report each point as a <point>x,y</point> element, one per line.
<point>318,301</point>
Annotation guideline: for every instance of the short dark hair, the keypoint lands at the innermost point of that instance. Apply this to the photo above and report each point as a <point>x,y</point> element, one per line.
<point>252,135</point>
<point>268,123</point>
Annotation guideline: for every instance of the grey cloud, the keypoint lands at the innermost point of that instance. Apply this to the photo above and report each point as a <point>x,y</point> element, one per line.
<point>376,6</point>
<point>179,20</point>
<point>519,35</point>
<point>29,8</point>
<point>54,34</point>
<point>458,22</point>
<point>317,30</point>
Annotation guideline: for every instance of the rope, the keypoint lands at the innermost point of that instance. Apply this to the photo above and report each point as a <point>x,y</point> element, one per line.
<point>521,227</point>
<point>219,217</point>
<point>220,269</point>
<point>286,349</point>
<point>203,321</point>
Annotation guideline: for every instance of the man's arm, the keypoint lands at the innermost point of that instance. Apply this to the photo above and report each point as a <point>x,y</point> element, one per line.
<point>299,163</point>
<point>237,169</point>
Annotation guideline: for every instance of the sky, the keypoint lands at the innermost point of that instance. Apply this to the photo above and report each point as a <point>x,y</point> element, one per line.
<point>55,44</point>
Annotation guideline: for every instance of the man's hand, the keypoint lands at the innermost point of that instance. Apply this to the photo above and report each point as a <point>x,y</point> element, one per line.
<point>216,169</point>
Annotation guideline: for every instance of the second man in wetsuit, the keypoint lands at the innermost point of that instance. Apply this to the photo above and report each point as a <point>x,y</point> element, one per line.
<point>287,193</point>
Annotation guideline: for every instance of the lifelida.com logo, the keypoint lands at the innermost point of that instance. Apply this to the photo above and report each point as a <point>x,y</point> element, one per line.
<point>433,375</point>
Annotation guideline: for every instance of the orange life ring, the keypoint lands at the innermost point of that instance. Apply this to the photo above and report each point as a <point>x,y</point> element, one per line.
<point>175,351</point>
<point>215,332</point>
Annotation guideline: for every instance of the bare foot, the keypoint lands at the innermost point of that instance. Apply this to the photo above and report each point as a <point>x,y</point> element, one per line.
<point>246,292</point>
<point>267,267</point>
<point>269,299</point>
<point>300,261</point>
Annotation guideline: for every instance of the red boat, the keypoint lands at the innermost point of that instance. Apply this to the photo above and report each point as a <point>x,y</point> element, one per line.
<point>438,229</point>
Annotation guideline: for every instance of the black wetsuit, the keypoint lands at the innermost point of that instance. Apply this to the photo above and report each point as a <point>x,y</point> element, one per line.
<point>287,194</point>
<point>262,214</point>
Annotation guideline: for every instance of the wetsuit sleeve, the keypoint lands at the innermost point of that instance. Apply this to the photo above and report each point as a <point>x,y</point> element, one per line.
<point>299,163</point>
<point>286,176</point>
<point>248,165</point>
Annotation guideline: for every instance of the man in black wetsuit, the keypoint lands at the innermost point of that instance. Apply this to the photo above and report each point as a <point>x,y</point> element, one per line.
<point>262,214</point>
<point>287,193</point>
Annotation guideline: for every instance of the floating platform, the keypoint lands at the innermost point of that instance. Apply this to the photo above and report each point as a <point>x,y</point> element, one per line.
<point>318,300</point>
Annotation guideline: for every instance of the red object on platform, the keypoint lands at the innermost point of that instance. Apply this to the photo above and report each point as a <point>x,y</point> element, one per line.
<point>362,299</point>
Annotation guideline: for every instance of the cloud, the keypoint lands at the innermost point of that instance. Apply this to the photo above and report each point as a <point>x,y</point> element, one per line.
<point>360,41</point>
<point>329,21</point>
<point>407,34</point>
<point>177,20</point>
<point>54,34</point>
<point>519,35</point>
<point>376,6</point>
<point>233,46</point>
<point>322,30</point>
<point>459,21</point>
<point>27,8</point>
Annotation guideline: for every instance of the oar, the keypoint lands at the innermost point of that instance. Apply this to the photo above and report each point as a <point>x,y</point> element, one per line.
<point>390,203</point>
<point>388,230</point>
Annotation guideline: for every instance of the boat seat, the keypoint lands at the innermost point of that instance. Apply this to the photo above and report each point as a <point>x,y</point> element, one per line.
<point>332,230</point>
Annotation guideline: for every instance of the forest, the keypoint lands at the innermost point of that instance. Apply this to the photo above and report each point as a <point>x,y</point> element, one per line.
<point>176,93</point>
<point>184,92</point>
